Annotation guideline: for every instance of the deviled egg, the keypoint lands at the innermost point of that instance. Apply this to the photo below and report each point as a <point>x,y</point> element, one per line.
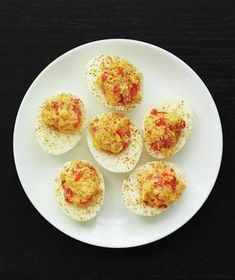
<point>60,123</point>
<point>115,82</point>
<point>167,128</point>
<point>115,142</point>
<point>153,187</point>
<point>80,190</point>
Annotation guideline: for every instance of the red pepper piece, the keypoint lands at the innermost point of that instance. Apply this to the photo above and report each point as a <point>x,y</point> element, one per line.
<point>156,146</point>
<point>127,98</point>
<point>76,101</point>
<point>162,205</point>
<point>182,124</point>
<point>160,122</point>
<point>171,181</point>
<point>154,112</point>
<point>134,89</point>
<point>121,132</point>
<point>120,70</point>
<point>55,105</point>
<point>116,89</point>
<point>78,176</point>
<point>167,142</point>
<point>76,123</point>
<point>68,194</point>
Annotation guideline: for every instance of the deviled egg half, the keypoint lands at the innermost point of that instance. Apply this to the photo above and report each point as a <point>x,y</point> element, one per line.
<point>167,128</point>
<point>115,142</point>
<point>60,123</point>
<point>80,190</point>
<point>115,82</point>
<point>153,187</point>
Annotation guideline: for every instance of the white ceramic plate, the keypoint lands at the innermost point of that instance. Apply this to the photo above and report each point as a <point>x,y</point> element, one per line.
<point>165,76</point>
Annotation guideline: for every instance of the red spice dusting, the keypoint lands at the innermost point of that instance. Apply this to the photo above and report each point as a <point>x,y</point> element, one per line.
<point>154,112</point>
<point>150,176</point>
<point>68,194</point>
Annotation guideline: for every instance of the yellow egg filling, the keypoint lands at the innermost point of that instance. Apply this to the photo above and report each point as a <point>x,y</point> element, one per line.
<point>62,113</point>
<point>111,132</point>
<point>120,82</point>
<point>162,131</point>
<point>81,184</point>
<point>161,187</point>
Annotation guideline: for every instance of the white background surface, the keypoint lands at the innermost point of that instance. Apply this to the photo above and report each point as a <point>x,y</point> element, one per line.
<point>165,76</point>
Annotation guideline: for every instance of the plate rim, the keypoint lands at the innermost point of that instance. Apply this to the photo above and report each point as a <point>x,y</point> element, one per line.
<point>132,41</point>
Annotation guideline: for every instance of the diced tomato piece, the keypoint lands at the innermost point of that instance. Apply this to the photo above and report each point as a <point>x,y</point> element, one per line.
<point>160,122</point>
<point>68,194</point>
<point>154,112</point>
<point>55,105</point>
<point>78,176</point>
<point>150,176</point>
<point>182,124</point>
